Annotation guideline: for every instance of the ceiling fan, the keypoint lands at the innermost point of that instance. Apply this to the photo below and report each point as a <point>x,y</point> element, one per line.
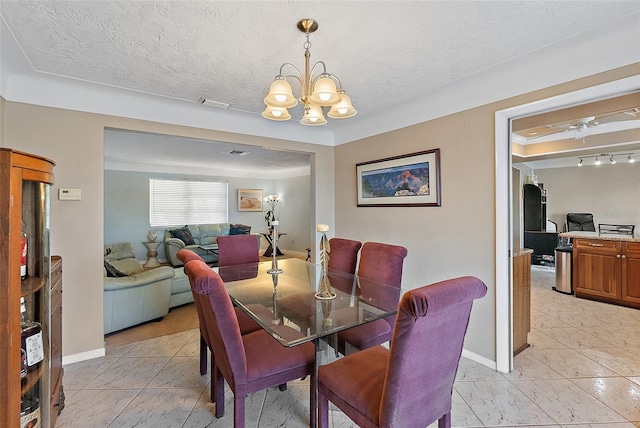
<point>579,126</point>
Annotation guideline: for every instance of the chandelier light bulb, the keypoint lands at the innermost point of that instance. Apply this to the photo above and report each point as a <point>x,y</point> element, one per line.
<point>313,116</point>
<point>580,163</point>
<point>343,109</point>
<point>276,113</point>
<point>597,162</point>
<point>631,160</point>
<point>613,162</point>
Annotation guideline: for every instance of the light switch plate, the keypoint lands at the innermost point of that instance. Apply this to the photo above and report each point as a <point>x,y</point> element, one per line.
<point>69,194</point>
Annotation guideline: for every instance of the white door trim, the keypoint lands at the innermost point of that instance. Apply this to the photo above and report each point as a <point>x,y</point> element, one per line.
<point>504,298</point>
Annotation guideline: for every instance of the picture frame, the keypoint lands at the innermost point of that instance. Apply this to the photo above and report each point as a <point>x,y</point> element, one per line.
<point>411,180</point>
<point>250,200</point>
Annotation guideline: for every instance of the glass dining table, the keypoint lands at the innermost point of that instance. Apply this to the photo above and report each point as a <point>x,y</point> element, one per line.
<point>291,299</point>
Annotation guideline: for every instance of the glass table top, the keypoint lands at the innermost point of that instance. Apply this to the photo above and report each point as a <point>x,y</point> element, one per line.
<point>273,300</point>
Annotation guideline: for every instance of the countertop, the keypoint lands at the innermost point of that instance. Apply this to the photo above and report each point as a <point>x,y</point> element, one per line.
<point>521,251</point>
<point>600,236</point>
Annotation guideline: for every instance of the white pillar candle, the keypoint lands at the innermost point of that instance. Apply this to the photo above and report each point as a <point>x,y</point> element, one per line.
<point>323,228</point>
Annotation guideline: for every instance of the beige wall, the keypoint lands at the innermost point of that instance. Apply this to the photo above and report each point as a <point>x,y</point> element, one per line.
<point>457,238</point>
<point>610,192</point>
<point>74,140</point>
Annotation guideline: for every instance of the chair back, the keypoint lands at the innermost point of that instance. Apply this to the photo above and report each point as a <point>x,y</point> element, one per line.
<point>580,222</point>
<point>222,324</point>
<point>382,262</point>
<point>185,256</point>
<point>425,351</point>
<point>343,254</point>
<point>237,250</point>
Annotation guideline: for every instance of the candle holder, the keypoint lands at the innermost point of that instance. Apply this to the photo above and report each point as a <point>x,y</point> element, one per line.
<point>325,292</point>
<point>274,262</point>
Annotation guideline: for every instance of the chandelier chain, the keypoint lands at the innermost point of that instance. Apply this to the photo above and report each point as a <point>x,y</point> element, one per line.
<point>307,44</point>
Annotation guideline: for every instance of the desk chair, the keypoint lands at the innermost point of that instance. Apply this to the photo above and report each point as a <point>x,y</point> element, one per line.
<point>410,384</point>
<point>580,222</point>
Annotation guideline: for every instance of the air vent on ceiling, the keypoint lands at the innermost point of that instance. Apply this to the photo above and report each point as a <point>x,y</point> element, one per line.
<point>212,103</point>
<point>236,152</point>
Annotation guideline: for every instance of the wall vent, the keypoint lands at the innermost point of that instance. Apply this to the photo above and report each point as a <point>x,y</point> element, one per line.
<point>212,103</point>
<point>236,153</point>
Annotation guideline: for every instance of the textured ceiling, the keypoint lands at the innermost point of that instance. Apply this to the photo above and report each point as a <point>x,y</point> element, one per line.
<point>384,52</point>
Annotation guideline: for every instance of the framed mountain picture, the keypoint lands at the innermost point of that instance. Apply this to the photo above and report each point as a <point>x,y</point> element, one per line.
<point>405,180</point>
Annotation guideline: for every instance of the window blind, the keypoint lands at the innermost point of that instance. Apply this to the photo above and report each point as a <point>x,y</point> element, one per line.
<point>178,202</point>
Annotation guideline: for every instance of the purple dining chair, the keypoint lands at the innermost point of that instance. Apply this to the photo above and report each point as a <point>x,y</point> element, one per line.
<point>410,384</point>
<point>246,324</point>
<point>343,254</point>
<point>381,263</point>
<point>250,362</point>
<point>238,250</point>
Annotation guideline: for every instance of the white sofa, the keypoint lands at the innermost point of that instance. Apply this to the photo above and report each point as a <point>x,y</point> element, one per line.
<point>136,298</point>
<point>202,234</point>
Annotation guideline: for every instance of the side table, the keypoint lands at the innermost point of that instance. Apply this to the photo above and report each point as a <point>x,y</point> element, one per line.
<point>152,254</point>
<point>269,239</point>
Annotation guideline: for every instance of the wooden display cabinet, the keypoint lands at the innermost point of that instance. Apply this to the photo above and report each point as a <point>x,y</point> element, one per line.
<point>24,205</point>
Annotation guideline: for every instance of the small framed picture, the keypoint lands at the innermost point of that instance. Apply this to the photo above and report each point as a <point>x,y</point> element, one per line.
<point>404,181</point>
<point>250,200</point>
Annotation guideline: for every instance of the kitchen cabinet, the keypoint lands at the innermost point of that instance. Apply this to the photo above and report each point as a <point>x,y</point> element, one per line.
<point>607,268</point>
<point>521,299</point>
<point>24,213</point>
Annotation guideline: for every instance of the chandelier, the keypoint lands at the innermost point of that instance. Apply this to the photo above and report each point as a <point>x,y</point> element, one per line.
<point>316,92</point>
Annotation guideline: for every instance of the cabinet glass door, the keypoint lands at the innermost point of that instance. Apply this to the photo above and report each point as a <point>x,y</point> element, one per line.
<point>35,340</point>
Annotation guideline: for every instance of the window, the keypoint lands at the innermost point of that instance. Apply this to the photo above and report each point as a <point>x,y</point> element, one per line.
<point>178,202</point>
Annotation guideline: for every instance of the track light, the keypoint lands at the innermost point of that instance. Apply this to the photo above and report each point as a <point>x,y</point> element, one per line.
<point>610,156</point>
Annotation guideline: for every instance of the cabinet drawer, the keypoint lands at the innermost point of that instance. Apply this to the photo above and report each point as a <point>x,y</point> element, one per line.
<point>596,244</point>
<point>631,248</point>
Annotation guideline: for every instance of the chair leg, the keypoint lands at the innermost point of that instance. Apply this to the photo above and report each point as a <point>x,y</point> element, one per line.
<point>238,412</point>
<point>218,384</point>
<point>323,411</point>
<point>445,421</point>
<point>282,387</point>
<point>204,350</point>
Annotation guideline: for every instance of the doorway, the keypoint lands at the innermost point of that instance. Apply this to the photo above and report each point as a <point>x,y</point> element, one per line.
<point>504,201</point>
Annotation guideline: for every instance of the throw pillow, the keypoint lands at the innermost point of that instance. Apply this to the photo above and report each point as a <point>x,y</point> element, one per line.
<point>112,272</point>
<point>183,234</point>
<point>239,229</point>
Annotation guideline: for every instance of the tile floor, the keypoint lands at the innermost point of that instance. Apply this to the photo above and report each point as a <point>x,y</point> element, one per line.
<point>582,370</point>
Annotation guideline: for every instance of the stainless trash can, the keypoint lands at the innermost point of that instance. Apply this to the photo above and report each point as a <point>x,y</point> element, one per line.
<point>564,258</point>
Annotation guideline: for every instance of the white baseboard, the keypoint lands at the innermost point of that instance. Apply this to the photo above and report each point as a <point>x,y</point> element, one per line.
<point>83,356</point>
<point>479,359</point>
